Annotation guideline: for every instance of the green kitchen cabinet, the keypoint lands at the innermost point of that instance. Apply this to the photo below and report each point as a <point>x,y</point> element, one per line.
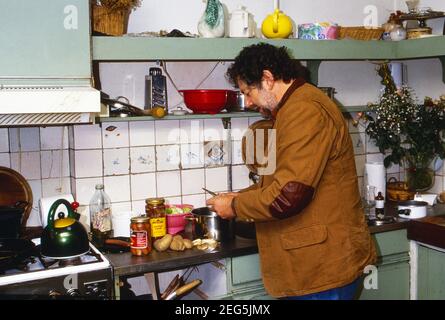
<point>392,268</point>
<point>431,274</point>
<point>45,39</point>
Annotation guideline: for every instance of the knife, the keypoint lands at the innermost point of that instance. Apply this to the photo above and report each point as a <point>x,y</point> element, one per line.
<point>210,192</point>
<point>185,289</point>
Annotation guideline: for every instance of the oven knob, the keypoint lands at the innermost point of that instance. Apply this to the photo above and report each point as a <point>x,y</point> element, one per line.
<point>73,292</point>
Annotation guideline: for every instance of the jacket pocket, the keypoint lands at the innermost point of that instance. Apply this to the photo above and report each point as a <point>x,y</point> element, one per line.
<point>304,237</point>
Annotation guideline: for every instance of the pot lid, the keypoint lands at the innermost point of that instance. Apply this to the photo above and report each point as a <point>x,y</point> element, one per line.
<point>63,223</point>
<point>412,203</point>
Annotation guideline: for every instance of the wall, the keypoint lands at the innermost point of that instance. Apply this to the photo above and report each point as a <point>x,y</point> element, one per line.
<point>136,160</point>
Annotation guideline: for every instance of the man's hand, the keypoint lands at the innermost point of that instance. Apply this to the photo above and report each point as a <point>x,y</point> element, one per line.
<point>222,204</point>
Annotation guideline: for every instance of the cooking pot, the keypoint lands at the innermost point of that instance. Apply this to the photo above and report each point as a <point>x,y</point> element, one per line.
<point>208,225</point>
<point>412,209</point>
<point>10,220</point>
<point>63,238</point>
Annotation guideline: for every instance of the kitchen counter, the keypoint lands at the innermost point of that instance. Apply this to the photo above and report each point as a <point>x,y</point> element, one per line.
<point>127,264</point>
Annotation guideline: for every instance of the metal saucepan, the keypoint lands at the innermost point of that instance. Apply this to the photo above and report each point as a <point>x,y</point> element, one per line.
<point>208,225</point>
<point>412,209</point>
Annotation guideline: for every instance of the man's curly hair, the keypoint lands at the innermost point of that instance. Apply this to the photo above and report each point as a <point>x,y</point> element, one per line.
<point>253,60</point>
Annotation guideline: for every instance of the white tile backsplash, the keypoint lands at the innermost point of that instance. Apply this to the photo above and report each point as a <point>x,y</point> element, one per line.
<point>239,126</point>
<point>192,131</point>
<point>192,156</point>
<point>4,140</point>
<point>24,139</point>
<point>167,157</point>
<point>87,137</point>
<point>5,160</point>
<point>142,159</point>
<point>118,188</point>
<point>143,186</point>
<point>215,153</point>
<point>196,200</point>
<point>240,177</point>
<point>138,207</point>
<point>173,200</point>
<point>142,133</point>
<point>27,163</point>
<point>88,163</point>
<point>237,156</point>
<point>168,183</point>
<point>54,138</point>
<point>192,181</point>
<point>115,135</point>
<point>214,130</point>
<point>167,132</point>
<point>56,186</point>
<point>116,161</point>
<point>55,163</point>
<point>216,179</point>
<point>85,188</point>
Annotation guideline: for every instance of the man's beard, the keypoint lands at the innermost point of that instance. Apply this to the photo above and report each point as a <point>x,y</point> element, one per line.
<point>270,104</point>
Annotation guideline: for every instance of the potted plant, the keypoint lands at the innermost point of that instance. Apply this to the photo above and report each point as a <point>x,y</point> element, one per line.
<point>111,16</point>
<point>407,133</point>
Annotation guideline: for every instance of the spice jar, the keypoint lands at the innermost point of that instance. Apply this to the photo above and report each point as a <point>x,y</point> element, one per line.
<point>140,235</point>
<point>155,210</point>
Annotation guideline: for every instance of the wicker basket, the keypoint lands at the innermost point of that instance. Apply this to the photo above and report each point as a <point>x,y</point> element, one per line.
<point>360,33</point>
<point>398,190</point>
<point>112,22</point>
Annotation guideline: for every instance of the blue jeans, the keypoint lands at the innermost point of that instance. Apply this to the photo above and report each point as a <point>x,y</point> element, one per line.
<point>343,293</point>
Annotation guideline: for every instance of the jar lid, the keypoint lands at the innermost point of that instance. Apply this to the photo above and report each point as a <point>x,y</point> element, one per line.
<point>155,201</point>
<point>140,219</point>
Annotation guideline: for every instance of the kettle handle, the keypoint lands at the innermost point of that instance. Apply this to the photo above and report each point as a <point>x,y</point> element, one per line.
<point>275,20</point>
<point>52,211</point>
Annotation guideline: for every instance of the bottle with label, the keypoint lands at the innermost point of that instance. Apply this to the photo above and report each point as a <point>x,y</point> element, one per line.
<point>140,236</point>
<point>100,216</point>
<point>379,206</point>
<point>155,210</point>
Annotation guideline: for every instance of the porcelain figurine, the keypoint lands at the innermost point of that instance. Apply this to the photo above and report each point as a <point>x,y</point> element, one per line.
<point>211,24</point>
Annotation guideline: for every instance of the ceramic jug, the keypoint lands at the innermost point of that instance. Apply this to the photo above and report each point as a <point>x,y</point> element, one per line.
<point>241,24</point>
<point>277,25</point>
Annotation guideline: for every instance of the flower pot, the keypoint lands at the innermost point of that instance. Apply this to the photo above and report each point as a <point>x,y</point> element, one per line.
<point>111,22</point>
<point>420,178</point>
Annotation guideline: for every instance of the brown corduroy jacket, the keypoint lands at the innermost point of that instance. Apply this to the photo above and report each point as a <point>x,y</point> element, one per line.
<point>311,230</point>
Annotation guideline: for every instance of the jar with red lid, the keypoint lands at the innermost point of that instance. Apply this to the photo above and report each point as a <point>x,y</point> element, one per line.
<point>140,235</point>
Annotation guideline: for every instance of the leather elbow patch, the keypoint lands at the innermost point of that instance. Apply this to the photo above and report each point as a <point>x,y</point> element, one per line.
<point>293,198</point>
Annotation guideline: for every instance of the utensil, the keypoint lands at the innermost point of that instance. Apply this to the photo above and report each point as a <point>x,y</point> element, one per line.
<point>412,209</point>
<point>210,192</point>
<point>208,225</point>
<point>208,100</point>
<point>184,290</point>
<point>65,237</point>
<point>13,251</point>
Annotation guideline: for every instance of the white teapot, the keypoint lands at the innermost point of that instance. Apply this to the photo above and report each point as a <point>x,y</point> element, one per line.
<point>241,24</point>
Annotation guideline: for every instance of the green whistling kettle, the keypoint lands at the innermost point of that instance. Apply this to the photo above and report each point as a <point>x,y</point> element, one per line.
<point>64,238</point>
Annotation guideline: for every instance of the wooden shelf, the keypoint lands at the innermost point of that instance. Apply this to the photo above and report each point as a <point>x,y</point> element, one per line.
<point>147,49</point>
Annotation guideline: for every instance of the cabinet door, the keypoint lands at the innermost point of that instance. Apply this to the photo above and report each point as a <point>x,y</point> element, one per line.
<point>431,274</point>
<point>45,39</point>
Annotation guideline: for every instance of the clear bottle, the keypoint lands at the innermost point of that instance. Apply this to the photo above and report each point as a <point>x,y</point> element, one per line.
<point>100,216</point>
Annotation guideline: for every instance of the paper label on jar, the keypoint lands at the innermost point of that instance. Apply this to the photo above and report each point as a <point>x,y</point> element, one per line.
<point>158,227</point>
<point>379,204</point>
<point>139,239</point>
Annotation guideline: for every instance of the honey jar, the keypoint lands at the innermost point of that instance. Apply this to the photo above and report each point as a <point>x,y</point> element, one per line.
<point>155,210</point>
<point>140,236</point>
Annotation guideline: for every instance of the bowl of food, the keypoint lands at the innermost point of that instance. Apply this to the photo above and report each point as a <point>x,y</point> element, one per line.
<point>176,214</point>
<point>209,101</point>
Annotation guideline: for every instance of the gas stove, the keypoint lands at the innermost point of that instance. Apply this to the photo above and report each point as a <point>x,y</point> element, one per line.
<point>36,277</point>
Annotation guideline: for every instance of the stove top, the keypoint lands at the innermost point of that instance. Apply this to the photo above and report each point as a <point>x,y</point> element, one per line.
<point>38,267</point>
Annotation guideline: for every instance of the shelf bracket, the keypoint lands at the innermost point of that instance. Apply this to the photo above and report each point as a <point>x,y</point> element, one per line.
<point>442,60</point>
<point>313,66</point>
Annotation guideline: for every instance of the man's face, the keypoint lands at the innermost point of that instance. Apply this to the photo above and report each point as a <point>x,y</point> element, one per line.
<point>258,97</point>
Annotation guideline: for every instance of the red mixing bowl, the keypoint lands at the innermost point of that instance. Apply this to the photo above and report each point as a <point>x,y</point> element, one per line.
<point>208,100</point>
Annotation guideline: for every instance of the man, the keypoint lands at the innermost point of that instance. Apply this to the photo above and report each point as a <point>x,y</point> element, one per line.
<point>312,236</point>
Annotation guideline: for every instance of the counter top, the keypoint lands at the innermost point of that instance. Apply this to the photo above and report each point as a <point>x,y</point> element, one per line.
<point>431,229</point>
<point>126,263</point>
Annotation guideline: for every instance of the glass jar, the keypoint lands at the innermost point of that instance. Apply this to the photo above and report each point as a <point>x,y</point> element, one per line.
<point>155,210</point>
<point>100,216</point>
<point>140,236</point>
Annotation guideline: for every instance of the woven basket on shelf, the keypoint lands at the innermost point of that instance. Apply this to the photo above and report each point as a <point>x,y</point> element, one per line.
<point>112,22</point>
<point>398,190</point>
<point>360,33</point>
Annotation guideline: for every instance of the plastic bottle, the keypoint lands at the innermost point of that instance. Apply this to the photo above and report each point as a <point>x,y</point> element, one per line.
<point>100,216</point>
<point>379,206</point>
